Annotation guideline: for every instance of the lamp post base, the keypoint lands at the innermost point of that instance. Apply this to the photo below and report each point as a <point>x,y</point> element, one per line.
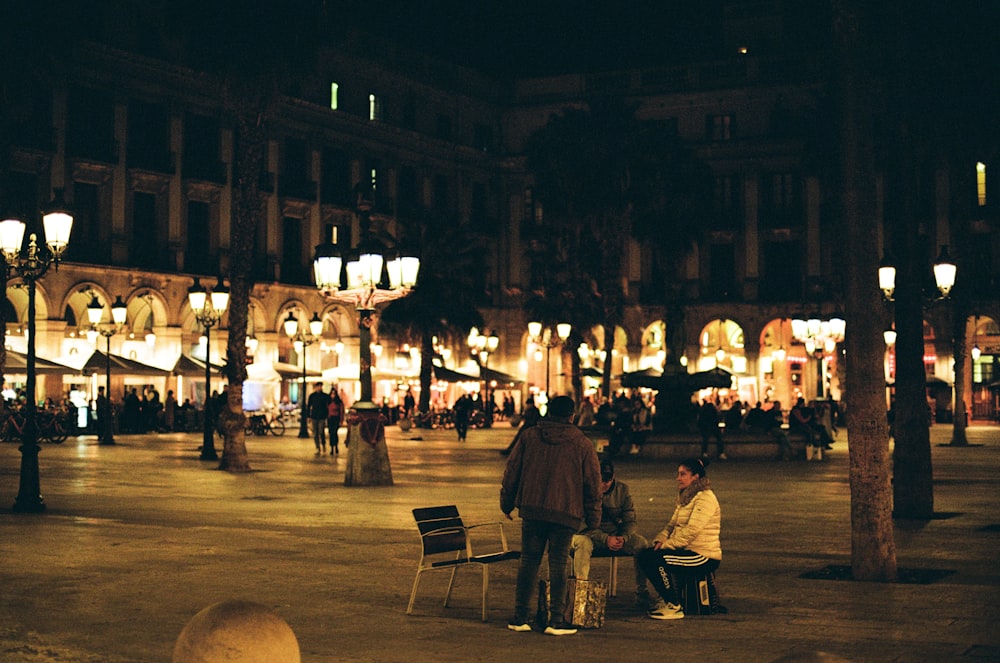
<point>367,453</point>
<point>29,495</point>
<point>208,451</point>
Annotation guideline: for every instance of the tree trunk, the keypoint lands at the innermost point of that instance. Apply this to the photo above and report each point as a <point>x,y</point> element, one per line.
<point>959,314</point>
<point>426,369</point>
<point>247,217</point>
<point>873,549</point>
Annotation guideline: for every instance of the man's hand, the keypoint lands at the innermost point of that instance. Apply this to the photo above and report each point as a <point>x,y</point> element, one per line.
<point>616,542</point>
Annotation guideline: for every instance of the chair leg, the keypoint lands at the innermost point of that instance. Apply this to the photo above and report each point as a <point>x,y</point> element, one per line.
<point>486,592</point>
<point>413,593</point>
<point>613,573</point>
<point>451,583</point>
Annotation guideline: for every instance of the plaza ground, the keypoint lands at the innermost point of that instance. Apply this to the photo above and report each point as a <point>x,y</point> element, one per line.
<point>140,536</point>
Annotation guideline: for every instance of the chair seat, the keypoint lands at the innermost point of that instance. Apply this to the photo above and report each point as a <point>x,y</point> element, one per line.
<point>480,559</point>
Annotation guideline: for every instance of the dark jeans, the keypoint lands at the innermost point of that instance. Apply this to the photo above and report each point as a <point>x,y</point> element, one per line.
<point>715,432</point>
<point>660,565</point>
<point>535,535</point>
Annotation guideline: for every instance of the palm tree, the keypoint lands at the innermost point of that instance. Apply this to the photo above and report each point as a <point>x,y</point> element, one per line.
<point>603,177</point>
<point>444,303</point>
<point>254,54</point>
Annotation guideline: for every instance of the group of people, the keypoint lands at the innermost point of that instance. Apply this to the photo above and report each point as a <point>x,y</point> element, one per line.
<point>326,411</point>
<point>571,504</point>
<point>817,423</point>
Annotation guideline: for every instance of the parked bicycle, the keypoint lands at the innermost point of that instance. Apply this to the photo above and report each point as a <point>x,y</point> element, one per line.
<point>53,426</point>
<point>260,423</point>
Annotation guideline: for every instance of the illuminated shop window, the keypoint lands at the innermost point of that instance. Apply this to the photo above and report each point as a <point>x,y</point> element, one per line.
<point>981,183</point>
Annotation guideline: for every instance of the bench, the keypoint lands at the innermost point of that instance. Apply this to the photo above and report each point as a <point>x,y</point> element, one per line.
<point>741,444</point>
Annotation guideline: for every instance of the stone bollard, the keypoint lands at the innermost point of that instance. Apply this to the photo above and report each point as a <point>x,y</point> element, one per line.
<point>236,632</point>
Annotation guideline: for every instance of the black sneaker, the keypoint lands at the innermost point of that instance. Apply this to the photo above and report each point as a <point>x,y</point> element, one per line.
<point>560,628</point>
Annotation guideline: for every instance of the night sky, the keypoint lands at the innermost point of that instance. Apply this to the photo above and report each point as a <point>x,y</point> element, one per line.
<point>522,37</point>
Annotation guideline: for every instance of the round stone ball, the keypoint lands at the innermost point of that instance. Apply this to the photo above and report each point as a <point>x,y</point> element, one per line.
<point>236,631</point>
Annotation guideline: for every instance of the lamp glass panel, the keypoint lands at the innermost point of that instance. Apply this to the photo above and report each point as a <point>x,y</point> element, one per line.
<point>326,270</point>
<point>11,235</point>
<point>410,268</point>
<point>197,300</point>
<point>220,300</point>
<point>57,227</point>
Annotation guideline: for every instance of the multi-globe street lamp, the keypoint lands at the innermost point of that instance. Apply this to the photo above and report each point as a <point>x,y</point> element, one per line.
<point>208,308</point>
<point>370,279</point>
<point>95,313</point>
<point>29,263</point>
<point>302,340</point>
<point>820,338</point>
<point>481,347</point>
<point>548,338</point>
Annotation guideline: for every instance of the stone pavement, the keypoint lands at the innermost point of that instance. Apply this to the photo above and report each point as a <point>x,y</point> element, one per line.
<point>140,536</point>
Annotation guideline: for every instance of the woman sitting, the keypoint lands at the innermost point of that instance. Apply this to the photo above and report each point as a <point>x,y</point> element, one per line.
<point>689,544</point>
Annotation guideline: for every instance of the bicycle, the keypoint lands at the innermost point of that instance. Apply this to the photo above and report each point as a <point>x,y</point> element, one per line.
<point>51,427</point>
<point>261,424</point>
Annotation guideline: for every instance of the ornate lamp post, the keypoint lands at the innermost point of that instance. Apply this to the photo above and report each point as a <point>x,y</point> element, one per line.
<point>303,340</point>
<point>30,263</point>
<point>367,464</point>
<point>481,347</point>
<point>208,308</point>
<point>545,337</point>
<point>820,338</point>
<point>95,313</point>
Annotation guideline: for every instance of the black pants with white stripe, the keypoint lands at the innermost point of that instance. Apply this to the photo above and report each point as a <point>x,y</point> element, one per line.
<point>660,565</point>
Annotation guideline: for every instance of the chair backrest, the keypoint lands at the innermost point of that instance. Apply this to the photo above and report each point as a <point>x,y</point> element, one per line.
<point>441,529</point>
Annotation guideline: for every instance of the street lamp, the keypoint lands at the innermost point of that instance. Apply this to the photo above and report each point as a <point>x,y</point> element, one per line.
<point>366,288</point>
<point>481,347</point>
<point>95,313</point>
<point>29,264</point>
<point>303,340</point>
<point>208,308</point>
<point>820,338</point>
<point>944,276</point>
<point>545,337</point>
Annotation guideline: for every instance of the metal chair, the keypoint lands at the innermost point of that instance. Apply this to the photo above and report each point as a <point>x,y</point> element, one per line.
<point>613,570</point>
<point>442,532</point>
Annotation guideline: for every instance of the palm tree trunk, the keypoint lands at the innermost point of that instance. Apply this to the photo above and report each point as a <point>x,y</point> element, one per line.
<point>246,218</point>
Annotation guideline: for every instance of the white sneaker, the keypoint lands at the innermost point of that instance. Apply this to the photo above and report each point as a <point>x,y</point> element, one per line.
<point>667,611</point>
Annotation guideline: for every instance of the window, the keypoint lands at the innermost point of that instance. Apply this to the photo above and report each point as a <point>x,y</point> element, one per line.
<point>374,107</point>
<point>722,271</point>
<point>334,89</point>
<point>293,264</point>
<point>781,201</point>
<point>981,183</point>
<point>197,252</point>
<point>781,272</point>
<point>441,193</point>
<point>442,127</point>
<point>483,138</point>
<point>719,127</point>
<point>726,201</point>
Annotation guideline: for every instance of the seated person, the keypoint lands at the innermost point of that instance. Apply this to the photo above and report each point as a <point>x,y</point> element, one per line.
<point>617,532</point>
<point>802,419</point>
<point>688,545</point>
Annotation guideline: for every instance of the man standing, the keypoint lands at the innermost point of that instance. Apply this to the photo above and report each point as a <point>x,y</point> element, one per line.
<point>554,479</point>
<point>616,533</point>
<point>318,407</point>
